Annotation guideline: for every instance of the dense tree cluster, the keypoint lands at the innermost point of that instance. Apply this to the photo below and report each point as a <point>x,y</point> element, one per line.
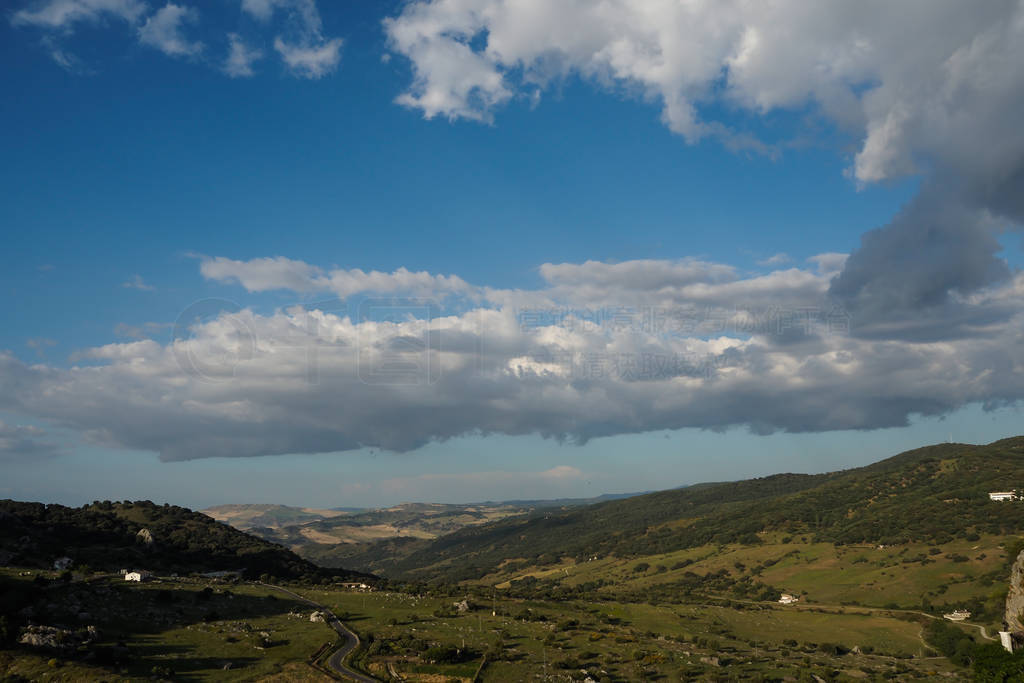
<point>106,536</point>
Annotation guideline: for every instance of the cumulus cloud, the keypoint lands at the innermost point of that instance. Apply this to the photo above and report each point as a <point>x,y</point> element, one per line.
<point>302,46</point>
<point>852,63</point>
<point>164,31</point>
<point>710,349</point>
<point>240,58</point>
<point>945,105</point>
<point>263,274</point>
<point>24,442</point>
<point>909,278</point>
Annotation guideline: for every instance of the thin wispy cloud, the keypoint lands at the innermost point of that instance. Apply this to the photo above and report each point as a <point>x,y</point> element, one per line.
<point>310,61</point>
<point>774,260</point>
<point>136,282</point>
<point>179,30</point>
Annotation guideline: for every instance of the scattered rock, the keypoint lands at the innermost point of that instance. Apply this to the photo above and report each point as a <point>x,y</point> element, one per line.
<point>60,639</point>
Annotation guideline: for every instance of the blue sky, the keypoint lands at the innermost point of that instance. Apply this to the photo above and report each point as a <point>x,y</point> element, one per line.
<point>133,161</point>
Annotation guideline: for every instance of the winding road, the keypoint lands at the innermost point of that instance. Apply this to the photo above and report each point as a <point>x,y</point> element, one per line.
<point>351,641</point>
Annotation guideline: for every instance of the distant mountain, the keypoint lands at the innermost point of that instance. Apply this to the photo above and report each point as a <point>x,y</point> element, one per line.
<point>928,494</point>
<point>366,539</point>
<point>249,516</point>
<point>161,538</point>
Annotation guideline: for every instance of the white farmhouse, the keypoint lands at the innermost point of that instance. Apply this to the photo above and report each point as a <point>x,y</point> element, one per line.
<point>787,599</point>
<point>138,576</point>
<point>958,615</point>
<point>1002,495</point>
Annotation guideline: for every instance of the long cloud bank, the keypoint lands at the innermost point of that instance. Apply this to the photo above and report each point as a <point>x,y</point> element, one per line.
<point>923,317</point>
<point>601,349</point>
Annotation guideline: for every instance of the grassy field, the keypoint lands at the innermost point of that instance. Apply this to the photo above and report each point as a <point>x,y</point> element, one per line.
<point>631,624</point>
<point>906,576</point>
<point>626,641</point>
<point>189,630</point>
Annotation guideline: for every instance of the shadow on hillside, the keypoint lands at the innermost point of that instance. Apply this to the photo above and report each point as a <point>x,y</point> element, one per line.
<point>182,627</point>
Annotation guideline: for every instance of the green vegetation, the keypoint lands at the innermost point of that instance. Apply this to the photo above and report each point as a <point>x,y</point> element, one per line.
<point>680,584</point>
<point>186,629</point>
<point>930,495</point>
<point>111,536</point>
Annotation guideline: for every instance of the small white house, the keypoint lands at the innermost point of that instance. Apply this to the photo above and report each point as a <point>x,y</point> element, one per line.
<point>958,615</point>
<point>1002,495</point>
<point>62,563</point>
<point>787,599</point>
<point>137,576</point>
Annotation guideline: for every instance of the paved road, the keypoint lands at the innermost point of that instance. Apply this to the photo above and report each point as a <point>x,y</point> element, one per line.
<point>337,660</point>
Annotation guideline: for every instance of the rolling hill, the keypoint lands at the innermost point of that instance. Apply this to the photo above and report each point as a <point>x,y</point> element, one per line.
<point>367,539</point>
<point>931,494</point>
<point>110,536</point>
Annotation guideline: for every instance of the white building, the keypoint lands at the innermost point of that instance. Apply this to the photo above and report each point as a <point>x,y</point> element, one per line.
<point>1002,495</point>
<point>137,575</point>
<point>787,599</point>
<point>958,615</point>
<point>1006,640</point>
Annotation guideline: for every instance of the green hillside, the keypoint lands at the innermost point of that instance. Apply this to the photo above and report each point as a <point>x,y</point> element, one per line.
<point>932,494</point>
<point>110,536</point>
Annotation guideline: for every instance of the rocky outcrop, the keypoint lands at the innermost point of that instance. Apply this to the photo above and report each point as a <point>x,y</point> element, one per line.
<point>59,639</point>
<point>1015,597</point>
<point>145,537</point>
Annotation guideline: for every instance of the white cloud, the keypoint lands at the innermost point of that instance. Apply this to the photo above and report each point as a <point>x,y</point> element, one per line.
<point>264,274</point>
<point>260,9</point>
<point>775,260</point>
<point>303,14</point>
<point>138,283</point>
<point>240,58</point>
<point>922,98</point>
<point>708,348</point>
<point>63,14</point>
<point>304,49</point>
<point>945,104</point>
<point>296,24</point>
<point>312,60</point>
<point>21,442</point>
<point>163,30</point>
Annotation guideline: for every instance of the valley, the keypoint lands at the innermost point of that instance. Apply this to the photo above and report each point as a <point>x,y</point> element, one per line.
<point>835,576</point>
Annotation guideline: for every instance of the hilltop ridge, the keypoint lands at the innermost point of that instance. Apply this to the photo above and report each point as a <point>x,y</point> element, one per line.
<point>933,493</point>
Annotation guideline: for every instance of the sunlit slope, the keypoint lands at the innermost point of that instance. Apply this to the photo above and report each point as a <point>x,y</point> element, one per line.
<point>932,494</point>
